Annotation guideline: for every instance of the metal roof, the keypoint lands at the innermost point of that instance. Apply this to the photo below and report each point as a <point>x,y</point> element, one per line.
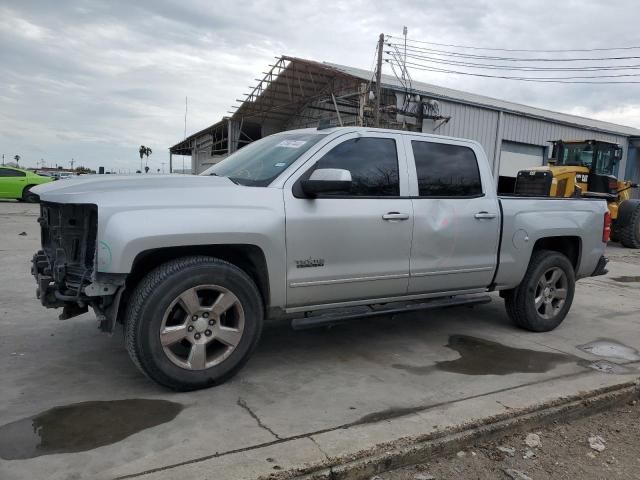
<point>459,96</point>
<point>292,82</point>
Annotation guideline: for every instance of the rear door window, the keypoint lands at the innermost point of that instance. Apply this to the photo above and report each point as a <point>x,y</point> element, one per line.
<point>446,170</point>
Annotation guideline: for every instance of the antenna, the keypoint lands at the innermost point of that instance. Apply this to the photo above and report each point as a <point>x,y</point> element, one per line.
<point>185,116</point>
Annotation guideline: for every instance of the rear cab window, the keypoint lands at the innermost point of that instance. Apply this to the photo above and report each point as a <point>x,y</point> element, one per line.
<point>446,170</point>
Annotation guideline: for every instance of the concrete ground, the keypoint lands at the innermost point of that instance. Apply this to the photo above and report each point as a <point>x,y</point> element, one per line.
<point>306,397</point>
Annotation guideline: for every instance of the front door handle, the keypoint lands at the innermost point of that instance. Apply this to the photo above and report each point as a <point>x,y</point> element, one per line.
<point>395,216</point>
<point>485,215</point>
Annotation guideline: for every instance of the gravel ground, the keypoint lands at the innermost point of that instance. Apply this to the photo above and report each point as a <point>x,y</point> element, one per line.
<point>564,452</point>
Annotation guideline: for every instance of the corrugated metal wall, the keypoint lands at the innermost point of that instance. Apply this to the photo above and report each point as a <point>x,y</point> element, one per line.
<point>481,124</point>
<point>471,122</point>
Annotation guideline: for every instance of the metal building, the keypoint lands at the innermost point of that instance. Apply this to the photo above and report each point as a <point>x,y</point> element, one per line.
<point>298,93</point>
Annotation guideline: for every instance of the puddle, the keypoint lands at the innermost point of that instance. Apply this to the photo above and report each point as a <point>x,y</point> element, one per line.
<point>82,426</point>
<point>605,366</point>
<point>610,349</point>
<point>484,357</point>
<point>626,279</point>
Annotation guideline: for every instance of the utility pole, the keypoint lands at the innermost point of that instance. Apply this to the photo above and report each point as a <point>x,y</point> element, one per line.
<point>404,64</point>
<point>3,159</point>
<point>379,78</point>
<point>72,162</point>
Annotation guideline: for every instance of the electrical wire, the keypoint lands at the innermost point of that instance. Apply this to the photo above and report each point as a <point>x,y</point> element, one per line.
<point>445,53</point>
<point>373,73</point>
<point>526,79</point>
<point>520,49</point>
<point>528,68</point>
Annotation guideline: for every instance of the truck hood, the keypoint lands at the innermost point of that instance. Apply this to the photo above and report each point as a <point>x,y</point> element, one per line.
<point>137,190</point>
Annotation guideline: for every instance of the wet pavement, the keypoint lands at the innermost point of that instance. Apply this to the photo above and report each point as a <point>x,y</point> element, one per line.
<point>73,406</point>
<point>82,426</point>
<point>484,357</point>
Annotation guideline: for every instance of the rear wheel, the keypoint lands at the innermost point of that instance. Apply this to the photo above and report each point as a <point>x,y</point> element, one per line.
<point>629,233</point>
<point>28,196</point>
<point>543,299</point>
<point>193,322</point>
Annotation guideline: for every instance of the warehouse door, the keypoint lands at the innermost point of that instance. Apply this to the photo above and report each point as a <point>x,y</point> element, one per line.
<point>519,156</point>
<point>513,158</point>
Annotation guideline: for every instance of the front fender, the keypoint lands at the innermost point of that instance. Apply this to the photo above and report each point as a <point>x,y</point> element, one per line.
<point>123,235</point>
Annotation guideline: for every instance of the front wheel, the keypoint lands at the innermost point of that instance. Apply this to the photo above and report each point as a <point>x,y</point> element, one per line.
<point>543,299</point>
<point>629,233</point>
<point>28,196</point>
<point>193,322</point>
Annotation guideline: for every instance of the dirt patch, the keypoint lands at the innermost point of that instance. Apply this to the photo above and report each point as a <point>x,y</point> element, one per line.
<point>566,450</point>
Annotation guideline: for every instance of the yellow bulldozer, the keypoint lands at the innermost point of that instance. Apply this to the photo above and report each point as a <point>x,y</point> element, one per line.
<point>585,168</point>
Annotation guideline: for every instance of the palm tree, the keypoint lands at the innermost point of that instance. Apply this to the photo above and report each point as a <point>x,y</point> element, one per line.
<point>17,159</point>
<point>144,152</point>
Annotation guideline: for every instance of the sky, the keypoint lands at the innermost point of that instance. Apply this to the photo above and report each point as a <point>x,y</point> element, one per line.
<point>92,80</point>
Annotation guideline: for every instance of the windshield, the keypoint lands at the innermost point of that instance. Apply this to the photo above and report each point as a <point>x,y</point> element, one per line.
<point>260,162</point>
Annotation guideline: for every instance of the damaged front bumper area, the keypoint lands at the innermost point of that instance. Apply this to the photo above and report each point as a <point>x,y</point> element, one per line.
<point>64,268</point>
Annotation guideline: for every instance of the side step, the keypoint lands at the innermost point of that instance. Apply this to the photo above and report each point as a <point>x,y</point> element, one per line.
<point>346,314</point>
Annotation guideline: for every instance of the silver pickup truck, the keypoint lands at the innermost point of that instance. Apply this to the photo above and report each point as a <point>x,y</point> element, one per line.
<point>317,226</point>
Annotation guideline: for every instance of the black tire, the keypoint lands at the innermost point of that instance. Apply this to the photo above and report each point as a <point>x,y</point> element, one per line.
<point>520,302</point>
<point>28,196</point>
<point>629,233</point>
<point>152,299</point>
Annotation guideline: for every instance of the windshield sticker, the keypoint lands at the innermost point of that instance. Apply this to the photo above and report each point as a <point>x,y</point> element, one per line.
<point>291,143</point>
<point>279,164</point>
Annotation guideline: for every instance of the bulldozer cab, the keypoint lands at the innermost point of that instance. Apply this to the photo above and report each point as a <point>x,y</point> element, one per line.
<point>587,168</point>
<point>598,156</point>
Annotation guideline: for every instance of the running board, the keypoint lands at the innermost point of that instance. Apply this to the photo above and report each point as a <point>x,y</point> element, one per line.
<point>347,314</point>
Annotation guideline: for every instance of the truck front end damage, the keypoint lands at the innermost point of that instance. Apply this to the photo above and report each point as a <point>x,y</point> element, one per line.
<point>65,267</point>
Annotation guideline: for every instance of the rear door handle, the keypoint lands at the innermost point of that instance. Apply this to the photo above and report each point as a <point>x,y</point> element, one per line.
<point>485,215</point>
<point>395,216</point>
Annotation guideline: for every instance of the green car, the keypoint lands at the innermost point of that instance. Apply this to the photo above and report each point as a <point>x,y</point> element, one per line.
<point>16,183</point>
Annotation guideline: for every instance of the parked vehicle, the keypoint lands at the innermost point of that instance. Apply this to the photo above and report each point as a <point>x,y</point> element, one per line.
<point>586,168</point>
<point>313,225</point>
<point>16,183</point>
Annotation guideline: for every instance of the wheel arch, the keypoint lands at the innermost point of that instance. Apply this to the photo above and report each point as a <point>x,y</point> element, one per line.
<point>26,188</point>
<point>249,258</point>
<point>570,246</point>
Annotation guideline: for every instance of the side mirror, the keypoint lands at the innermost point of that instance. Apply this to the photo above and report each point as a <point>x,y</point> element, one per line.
<point>327,180</point>
<point>617,153</point>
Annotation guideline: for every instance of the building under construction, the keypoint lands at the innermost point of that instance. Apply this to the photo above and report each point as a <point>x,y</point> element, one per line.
<point>298,93</point>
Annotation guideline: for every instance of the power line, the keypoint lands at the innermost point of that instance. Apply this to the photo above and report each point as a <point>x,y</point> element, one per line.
<point>526,79</point>
<point>446,53</point>
<point>527,68</point>
<point>522,49</point>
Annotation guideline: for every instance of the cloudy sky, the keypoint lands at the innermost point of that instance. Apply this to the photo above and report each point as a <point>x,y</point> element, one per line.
<point>92,80</point>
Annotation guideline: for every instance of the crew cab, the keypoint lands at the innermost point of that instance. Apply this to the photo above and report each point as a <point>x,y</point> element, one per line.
<point>316,225</point>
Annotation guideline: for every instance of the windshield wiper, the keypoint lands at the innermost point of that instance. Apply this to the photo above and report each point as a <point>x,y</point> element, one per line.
<point>214,174</point>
